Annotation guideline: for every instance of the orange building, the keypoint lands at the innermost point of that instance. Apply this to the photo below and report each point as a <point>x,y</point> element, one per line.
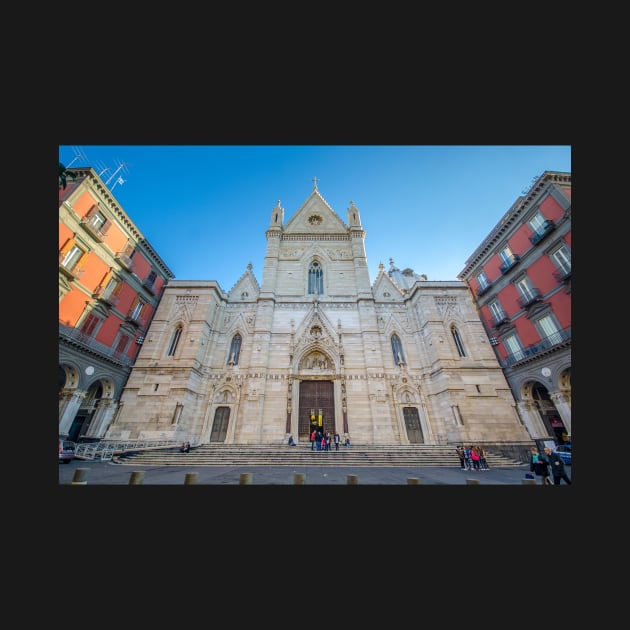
<point>520,280</point>
<point>110,283</point>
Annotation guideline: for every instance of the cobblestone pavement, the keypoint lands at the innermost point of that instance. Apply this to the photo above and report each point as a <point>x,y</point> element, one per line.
<point>108,473</point>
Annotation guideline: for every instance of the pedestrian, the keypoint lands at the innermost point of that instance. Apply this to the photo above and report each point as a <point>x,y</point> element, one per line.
<point>474,456</point>
<point>460,453</point>
<point>292,441</point>
<point>318,440</point>
<point>313,440</point>
<point>328,441</point>
<point>558,470</point>
<point>467,460</point>
<point>346,442</point>
<point>482,458</point>
<point>337,439</point>
<point>539,465</point>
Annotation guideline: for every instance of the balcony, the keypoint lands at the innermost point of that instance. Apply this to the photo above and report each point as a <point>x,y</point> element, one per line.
<point>100,295</point>
<point>73,273</point>
<point>509,263</point>
<point>497,322</point>
<point>76,337</point>
<point>125,261</point>
<point>148,285</point>
<point>93,226</point>
<point>135,320</point>
<point>556,339</point>
<point>483,289</point>
<point>548,227</point>
<point>562,276</point>
<point>532,297</point>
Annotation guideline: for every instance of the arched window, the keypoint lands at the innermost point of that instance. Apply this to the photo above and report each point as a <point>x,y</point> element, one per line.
<point>315,278</point>
<point>177,333</point>
<point>235,350</point>
<point>397,350</point>
<point>458,342</point>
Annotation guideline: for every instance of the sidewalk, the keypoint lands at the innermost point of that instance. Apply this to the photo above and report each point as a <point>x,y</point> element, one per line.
<point>108,473</point>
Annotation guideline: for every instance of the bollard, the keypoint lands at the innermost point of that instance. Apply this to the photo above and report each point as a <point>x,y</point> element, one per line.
<point>136,478</point>
<point>473,482</point>
<point>80,477</point>
<point>245,479</point>
<point>413,481</point>
<point>298,479</point>
<point>352,480</point>
<point>190,479</point>
<point>529,482</point>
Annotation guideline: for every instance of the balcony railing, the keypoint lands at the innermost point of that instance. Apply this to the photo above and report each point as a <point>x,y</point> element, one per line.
<point>533,296</point>
<point>135,320</point>
<point>148,285</point>
<point>499,321</point>
<point>93,226</point>
<point>125,261</point>
<point>79,337</point>
<point>100,295</point>
<point>509,263</point>
<point>562,276</point>
<point>548,226</point>
<point>483,289</point>
<point>529,352</point>
<point>73,273</point>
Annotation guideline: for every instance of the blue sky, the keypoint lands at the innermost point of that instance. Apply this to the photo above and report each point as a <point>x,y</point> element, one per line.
<point>205,209</point>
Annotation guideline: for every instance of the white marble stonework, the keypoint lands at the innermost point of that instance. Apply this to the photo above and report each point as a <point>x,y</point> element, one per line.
<point>332,348</point>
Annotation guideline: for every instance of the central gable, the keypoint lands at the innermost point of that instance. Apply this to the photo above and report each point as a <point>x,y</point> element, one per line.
<point>315,216</point>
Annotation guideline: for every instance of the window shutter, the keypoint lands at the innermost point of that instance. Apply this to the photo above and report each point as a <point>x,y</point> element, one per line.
<point>91,212</point>
<point>106,278</point>
<point>67,247</point>
<point>105,227</point>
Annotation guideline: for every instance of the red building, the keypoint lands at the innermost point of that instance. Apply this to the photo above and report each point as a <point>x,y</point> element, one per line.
<point>520,280</point>
<point>110,283</point>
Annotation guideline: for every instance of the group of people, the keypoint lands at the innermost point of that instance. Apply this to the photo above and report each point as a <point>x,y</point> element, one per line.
<point>472,458</point>
<point>185,447</point>
<point>321,441</point>
<point>542,464</point>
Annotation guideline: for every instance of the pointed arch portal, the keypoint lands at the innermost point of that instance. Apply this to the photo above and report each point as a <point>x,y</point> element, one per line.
<point>316,397</point>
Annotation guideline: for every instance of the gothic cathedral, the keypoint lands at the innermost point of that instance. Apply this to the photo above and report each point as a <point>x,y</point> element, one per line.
<point>402,361</point>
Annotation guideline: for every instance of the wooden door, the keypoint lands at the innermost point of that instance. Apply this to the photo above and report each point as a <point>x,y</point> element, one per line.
<point>220,424</point>
<point>316,396</point>
<point>412,424</point>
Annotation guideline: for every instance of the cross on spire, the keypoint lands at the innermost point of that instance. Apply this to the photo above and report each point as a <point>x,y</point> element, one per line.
<point>315,180</point>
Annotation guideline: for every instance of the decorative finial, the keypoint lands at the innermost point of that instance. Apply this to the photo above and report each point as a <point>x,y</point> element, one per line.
<point>381,266</point>
<point>250,266</point>
<point>315,180</point>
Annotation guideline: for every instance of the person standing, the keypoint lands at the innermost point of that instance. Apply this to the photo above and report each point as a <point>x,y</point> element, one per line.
<point>467,460</point>
<point>558,470</point>
<point>539,465</point>
<point>474,456</point>
<point>313,434</point>
<point>482,458</point>
<point>460,454</point>
<point>337,440</point>
<point>328,441</point>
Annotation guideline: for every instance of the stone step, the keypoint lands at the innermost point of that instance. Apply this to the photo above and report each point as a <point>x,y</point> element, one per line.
<point>265,455</point>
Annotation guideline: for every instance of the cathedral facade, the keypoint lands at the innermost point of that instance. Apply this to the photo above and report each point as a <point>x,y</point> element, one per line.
<point>401,361</point>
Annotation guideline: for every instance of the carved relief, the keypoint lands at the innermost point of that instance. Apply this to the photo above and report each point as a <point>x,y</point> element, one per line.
<point>184,307</point>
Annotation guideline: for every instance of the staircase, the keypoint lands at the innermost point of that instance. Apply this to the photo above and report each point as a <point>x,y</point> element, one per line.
<point>302,455</point>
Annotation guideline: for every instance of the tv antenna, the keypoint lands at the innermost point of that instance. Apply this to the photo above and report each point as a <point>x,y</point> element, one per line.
<point>122,166</point>
<point>78,153</point>
<point>102,168</point>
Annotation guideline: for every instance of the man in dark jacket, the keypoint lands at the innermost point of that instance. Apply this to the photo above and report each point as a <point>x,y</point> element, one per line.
<point>557,467</point>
